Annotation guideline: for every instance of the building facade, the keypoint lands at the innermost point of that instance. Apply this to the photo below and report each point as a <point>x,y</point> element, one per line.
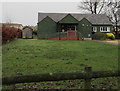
<point>85,24</point>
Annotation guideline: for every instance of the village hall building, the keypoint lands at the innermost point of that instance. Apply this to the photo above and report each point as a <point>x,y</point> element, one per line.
<point>52,25</point>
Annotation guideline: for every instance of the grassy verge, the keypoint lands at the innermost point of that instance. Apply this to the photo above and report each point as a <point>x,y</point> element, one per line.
<point>23,56</point>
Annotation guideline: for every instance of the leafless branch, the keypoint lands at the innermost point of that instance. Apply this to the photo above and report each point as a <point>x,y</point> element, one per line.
<point>92,6</point>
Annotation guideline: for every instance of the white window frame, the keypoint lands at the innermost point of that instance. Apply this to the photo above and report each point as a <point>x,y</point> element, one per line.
<point>94,29</point>
<point>104,29</point>
<point>108,29</point>
<point>101,29</point>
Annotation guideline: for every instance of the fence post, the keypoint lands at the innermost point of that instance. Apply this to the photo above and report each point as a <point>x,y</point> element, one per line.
<point>78,35</point>
<point>88,71</point>
<point>59,35</point>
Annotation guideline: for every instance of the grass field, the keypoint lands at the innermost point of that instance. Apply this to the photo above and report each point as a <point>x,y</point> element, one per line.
<point>22,56</point>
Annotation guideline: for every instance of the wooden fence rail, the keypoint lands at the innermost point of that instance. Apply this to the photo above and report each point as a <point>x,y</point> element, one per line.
<point>87,75</point>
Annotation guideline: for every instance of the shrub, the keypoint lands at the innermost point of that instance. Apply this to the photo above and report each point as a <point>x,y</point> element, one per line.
<point>9,34</point>
<point>34,32</point>
<point>99,36</point>
<point>19,33</point>
<point>110,36</point>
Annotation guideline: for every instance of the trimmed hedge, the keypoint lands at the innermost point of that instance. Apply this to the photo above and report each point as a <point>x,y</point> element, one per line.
<point>9,34</point>
<point>99,36</point>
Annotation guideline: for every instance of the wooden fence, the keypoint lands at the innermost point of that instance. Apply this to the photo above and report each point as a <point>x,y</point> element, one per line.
<point>63,36</point>
<point>87,75</point>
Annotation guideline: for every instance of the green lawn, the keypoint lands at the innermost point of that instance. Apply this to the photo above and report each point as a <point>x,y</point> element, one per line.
<point>22,56</point>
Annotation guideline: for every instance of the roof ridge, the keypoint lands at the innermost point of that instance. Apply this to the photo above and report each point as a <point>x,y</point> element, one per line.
<point>93,18</point>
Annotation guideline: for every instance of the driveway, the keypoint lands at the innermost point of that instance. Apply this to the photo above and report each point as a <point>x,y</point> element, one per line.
<point>114,42</point>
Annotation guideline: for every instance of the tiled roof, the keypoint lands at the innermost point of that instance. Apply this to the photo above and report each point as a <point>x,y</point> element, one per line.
<point>93,18</point>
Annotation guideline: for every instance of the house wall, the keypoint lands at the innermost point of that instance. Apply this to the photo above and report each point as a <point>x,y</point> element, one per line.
<point>68,19</point>
<point>46,27</point>
<point>85,28</point>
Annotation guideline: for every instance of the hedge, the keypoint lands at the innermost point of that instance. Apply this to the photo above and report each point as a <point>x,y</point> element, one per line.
<point>110,36</point>
<point>9,34</point>
<point>99,36</point>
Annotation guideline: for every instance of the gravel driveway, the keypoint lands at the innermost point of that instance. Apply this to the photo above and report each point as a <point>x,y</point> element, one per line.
<point>114,42</point>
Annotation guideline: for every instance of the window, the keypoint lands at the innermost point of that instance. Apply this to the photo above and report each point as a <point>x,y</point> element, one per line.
<point>104,29</point>
<point>89,35</point>
<point>101,29</point>
<point>71,27</point>
<point>82,24</point>
<point>94,29</point>
<point>108,29</point>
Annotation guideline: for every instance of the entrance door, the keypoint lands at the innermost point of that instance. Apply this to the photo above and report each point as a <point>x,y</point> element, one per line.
<point>71,31</point>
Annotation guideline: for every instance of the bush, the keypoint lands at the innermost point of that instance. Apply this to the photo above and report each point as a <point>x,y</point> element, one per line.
<point>9,34</point>
<point>34,32</point>
<point>110,36</point>
<point>99,36</point>
<point>19,33</point>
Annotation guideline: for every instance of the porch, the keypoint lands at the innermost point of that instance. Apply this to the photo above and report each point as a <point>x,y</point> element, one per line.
<point>69,29</point>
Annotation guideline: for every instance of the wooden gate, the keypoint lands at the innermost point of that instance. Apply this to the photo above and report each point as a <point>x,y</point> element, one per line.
<point>71,35</point>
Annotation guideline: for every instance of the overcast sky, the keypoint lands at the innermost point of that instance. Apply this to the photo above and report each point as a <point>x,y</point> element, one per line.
<point>26,13</point>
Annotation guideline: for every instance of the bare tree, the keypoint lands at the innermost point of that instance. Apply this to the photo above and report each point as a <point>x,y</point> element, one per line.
<point>113,15</point>
<point>8,22</point>
<point>92,6</point>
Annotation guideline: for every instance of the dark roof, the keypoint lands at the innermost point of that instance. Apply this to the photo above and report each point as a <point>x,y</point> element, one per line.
<point>93,18</point>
